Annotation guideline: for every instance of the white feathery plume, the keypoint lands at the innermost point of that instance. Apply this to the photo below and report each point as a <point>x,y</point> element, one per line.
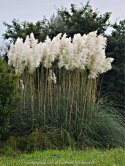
<point>51,49</point>
<point>16,56</point>
<point>79,51</point>
<point>33,53</point>
<point>66,53</point>
<point>82,52</point>
<point>96,59</point>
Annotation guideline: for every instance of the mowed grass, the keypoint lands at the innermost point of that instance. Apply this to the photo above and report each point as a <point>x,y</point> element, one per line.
<point>112,157</point>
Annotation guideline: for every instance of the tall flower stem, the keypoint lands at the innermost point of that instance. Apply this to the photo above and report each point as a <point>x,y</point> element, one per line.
<point>32,99</point>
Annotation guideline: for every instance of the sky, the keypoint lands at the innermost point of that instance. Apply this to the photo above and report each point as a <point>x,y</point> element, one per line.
<point>34,10</point>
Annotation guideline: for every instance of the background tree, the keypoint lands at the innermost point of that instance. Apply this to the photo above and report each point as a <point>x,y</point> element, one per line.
<point>114,80</point>
<point>82,20</point>
<point>17,29</point>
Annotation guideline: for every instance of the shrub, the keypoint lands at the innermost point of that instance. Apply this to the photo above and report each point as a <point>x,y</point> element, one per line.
<point>28,143</point>
<point>10,147</point>
<point>8,99</point>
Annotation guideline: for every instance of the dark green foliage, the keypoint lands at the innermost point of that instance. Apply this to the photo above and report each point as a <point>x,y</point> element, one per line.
<point>37,140</point>
<point>8,99</point>
<point>28,143</point>
<point>82,20</point>
<point>17,29</point>
<point>61,139</point>
<point>114,81</point>
<point>10,147</point>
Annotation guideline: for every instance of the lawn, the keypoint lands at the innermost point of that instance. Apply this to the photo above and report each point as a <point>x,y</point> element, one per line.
<point>93,157</point>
